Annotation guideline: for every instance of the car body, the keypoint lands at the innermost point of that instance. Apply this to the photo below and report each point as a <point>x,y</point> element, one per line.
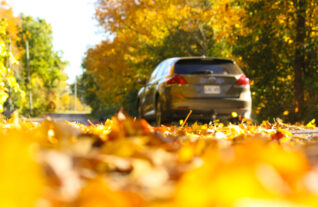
<point>210,87</point>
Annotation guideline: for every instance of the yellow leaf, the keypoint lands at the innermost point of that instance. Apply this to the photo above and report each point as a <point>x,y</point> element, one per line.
<point>312,124</point>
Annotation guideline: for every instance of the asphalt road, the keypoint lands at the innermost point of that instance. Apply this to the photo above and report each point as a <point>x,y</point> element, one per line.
<point>71,117</point>
<point>305,132</point>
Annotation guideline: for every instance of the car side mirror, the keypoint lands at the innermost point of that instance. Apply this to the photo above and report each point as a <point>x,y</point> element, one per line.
<point>142,81</point>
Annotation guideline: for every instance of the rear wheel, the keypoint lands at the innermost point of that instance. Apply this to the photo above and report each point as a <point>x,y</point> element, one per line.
<point>160,114</point>
<point>139,110</point>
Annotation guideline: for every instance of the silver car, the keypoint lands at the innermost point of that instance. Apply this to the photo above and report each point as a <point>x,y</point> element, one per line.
<point>210,87</point>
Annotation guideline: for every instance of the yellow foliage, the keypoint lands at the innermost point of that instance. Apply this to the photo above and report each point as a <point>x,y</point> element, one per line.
<point>312,124</point>
<point>6,76</point>
<point>97,194</point>
<point>136,25</point>
<point>20,176</point>
<point>12,27</point>
<point>227,176</point>
<point>127,163</point>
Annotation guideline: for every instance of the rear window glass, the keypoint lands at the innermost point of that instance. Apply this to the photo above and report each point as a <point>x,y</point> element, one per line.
<point>206,67</point>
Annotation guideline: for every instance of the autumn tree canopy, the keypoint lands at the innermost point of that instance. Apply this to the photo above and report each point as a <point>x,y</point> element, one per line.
<point>279,54</point>
<point>142,34</point>
<point>47,78</point>
<point>273,41</point>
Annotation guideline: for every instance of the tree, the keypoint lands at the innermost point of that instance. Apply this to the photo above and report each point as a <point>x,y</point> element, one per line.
<point>46,65</point>
<point>144,33</point>
<point>90,94</point>
<point>274,42</point>
<point>13,23</point>
<point>7,78</point>
<point>277,50</point>
<point>10,38</point>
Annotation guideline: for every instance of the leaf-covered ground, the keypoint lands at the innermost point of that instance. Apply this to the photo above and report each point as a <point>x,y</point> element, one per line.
<point>128,163</point>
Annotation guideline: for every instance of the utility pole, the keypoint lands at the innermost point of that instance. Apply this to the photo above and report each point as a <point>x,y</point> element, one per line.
<point>75,94</point>
<point>9,87</point>
<point>28,76</point>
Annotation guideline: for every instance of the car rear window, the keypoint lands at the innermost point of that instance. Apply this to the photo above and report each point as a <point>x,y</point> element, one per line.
<point>210,66</point>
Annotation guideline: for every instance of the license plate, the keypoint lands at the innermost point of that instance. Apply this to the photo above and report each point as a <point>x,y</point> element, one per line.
<point>212,90</point>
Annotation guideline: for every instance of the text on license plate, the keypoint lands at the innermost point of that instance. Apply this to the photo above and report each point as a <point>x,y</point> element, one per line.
<point>212,89</point>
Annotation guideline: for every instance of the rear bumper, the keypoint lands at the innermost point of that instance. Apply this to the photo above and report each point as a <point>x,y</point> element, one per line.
<point>208,109</point>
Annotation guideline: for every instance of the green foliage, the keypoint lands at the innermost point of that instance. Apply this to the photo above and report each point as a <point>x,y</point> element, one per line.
<point>181,43</point>
<point>88,91</point>
<point>46,65</point>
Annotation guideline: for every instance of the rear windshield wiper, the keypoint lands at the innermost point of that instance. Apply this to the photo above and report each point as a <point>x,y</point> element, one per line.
<point>202,72</point>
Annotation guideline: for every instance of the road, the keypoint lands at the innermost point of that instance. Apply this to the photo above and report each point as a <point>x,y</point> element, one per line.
<point>308,132</point>
<point>72,117</point>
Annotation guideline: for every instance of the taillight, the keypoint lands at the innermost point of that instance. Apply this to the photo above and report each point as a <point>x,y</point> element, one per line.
<point>176,79</point>
<point>243,80</point>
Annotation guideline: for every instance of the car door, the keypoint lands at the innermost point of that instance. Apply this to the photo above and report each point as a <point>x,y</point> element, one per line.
<point>149,92</point>
<point>156,86</point>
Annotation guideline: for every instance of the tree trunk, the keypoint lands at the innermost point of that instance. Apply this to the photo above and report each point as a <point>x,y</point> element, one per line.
<point>299,61</point>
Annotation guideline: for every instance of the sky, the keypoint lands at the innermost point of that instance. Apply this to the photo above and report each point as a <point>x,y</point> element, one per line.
<point>73,24</point>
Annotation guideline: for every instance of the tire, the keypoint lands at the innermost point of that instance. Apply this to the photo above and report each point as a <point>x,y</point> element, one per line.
<point>159,112</point>
<point>139,110</point>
